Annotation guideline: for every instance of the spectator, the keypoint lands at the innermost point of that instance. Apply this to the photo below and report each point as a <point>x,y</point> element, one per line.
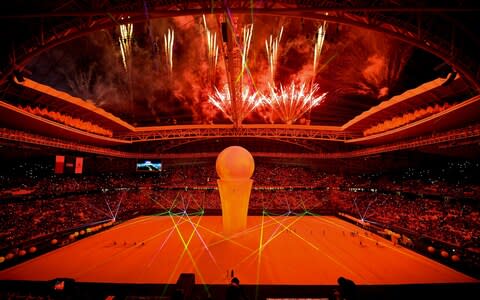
<point>347,289</point>
<point>235,291</point>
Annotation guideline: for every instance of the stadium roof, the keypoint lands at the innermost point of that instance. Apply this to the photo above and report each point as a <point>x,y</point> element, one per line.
<point>413,65</point>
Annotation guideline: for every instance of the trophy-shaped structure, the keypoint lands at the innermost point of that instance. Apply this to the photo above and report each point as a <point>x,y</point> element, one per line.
<point>235,166</point>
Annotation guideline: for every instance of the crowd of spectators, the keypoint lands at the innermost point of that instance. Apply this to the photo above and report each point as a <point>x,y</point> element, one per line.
<point>454,222</point>
<point>23,221</point>
<point>451,181</point>
<point>67,120</point>
<point>426,205</point>
<point>406,118</point>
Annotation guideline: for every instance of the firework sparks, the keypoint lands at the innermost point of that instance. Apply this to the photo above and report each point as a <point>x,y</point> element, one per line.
<point>271,45</point>
<point>205,22</point>
<point>125,41</point>
<point>293,102</point>
<point>247,38</point>
<point>223,101</point>
<point>168,39</point>
<point>212,50</point>
<point>318,46</point>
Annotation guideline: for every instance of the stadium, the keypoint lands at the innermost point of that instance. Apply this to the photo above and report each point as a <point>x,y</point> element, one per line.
<point>159,149</point>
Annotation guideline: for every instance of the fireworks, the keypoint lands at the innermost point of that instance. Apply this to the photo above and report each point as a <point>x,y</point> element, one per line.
<point>168,40</point>
<point>318,46</point>
<point>125,41</point>
<point>223,101</point>
<point>212,50</point>
<point>289,104</point>
<point>247,38</point>
<point>292,102</point>
<point>271,46</point>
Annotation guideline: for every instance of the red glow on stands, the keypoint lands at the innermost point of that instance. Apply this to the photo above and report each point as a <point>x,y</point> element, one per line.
<point>68,120</point>
<point>406,118</point>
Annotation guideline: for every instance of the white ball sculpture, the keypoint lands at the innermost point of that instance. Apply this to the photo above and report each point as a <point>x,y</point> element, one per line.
<point>235,162</point>
<point>235,166</point>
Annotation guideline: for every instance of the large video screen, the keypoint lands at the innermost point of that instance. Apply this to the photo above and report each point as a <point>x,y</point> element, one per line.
<point>149,166</point>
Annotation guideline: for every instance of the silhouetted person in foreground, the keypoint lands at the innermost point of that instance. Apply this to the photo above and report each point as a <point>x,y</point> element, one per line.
<point>235,291</point>
<point>347,289</point>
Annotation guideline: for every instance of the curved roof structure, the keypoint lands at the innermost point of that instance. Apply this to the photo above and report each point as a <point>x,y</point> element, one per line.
<point>140,79</point>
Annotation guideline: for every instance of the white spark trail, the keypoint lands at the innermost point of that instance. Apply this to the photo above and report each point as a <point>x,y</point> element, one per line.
<point>293,102</point>
<point>247,38</point>
<point>125,41</point>
<point>223,101</point>
<point>271,46</point>
<point>212,50</point>
<point>168,41</point>
<point>318,46</point>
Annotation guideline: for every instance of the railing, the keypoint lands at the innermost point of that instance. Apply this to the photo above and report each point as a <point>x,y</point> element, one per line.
<point>435,139</point>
